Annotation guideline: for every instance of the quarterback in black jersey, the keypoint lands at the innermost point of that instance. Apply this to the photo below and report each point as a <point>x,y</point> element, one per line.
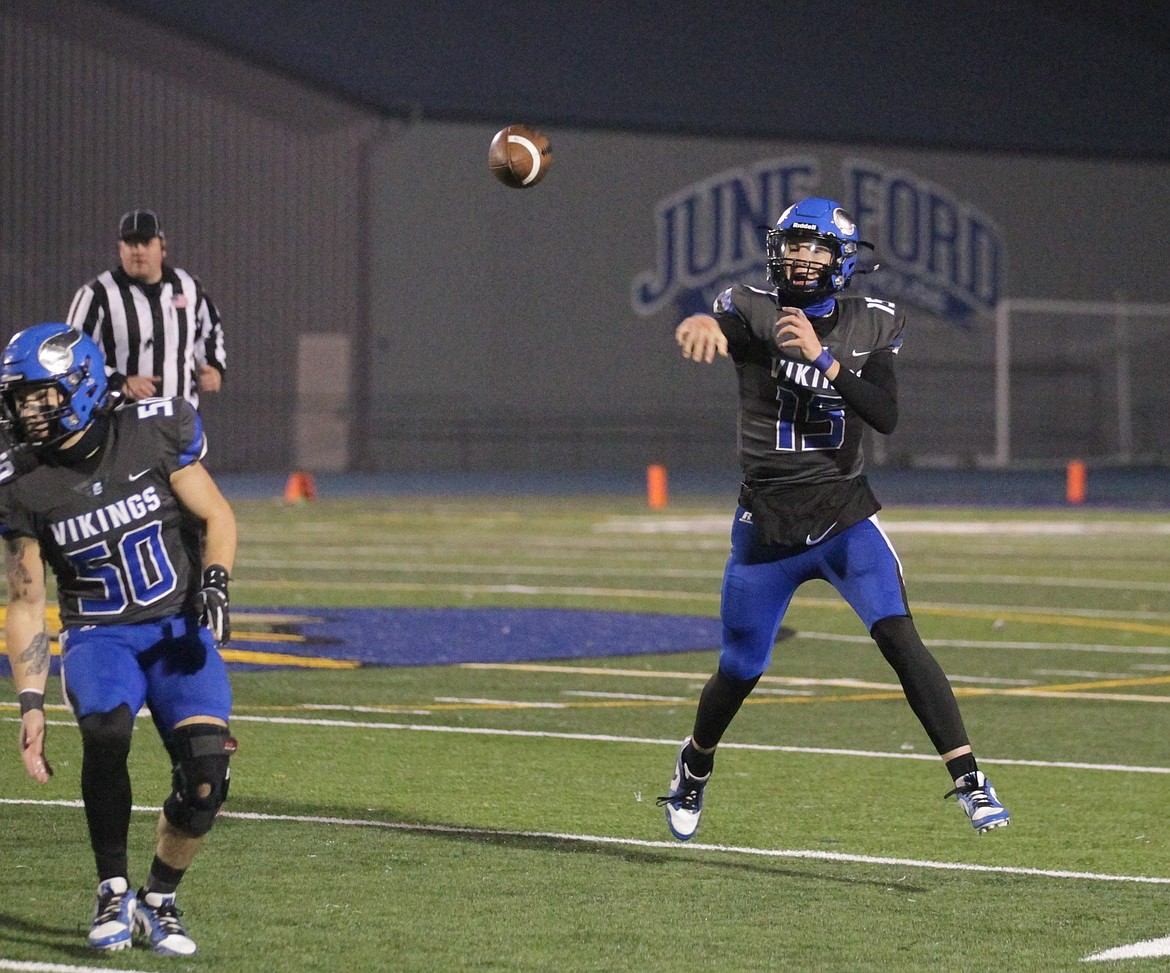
<point>141,543</point>
<point>813,367</point>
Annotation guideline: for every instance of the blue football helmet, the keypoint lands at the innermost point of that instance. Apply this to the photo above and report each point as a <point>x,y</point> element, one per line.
<point>52,383</point>
<point>826,237</point>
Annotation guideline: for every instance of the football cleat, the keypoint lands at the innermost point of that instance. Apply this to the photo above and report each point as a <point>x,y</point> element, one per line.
<point>979,802</point>
<point>158,921</point>
<point>684,803</point>
<point>113,915</point>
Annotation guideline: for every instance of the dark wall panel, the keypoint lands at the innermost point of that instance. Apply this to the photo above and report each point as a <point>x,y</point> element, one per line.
<point>1052,78</point>
<point>255,184</point>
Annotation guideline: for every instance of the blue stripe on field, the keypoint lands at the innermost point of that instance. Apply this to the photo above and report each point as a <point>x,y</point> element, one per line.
<point>443,636</point>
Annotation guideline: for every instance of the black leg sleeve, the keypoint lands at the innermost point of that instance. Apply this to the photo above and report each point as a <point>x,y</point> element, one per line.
<point>105,787</point>
<point>719,702</point>
<point>926,687</point>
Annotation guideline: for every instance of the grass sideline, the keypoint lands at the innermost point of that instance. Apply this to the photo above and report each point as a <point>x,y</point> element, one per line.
<point>503,818</point>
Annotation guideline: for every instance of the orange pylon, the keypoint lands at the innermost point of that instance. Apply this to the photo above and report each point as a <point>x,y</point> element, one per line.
<point>1075,482</point>
<point>300,486</point>
<point>656,486</point>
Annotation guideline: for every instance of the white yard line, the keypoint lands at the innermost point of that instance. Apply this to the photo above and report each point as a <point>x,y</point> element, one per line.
<point>568,837</point>
<point>1081,673</point>
<point>700,677</point>
<point>24,966</point>
<point>765,691</point>
<point>798,681</point>
<point>1099,697</point>
<point>709,524</point>
<point>1146,949</point>
<point>673,743</point>
<point>648,571</point>
<point>1043,582</point>
<point>365,709</point>
<point>634,696</point>
<point>1005,644</point>
<point>586,591</point>
<point>509,703</point>
<point>1027,646</point>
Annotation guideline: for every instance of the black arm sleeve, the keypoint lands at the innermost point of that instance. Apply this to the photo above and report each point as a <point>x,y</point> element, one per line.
<point>735,329</point>
<point>873,395</point>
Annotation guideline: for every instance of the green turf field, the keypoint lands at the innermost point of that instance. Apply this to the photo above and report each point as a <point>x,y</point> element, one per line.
<point>502,817</point>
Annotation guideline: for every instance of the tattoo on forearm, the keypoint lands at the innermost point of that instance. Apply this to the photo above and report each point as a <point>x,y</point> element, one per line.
<point>35,658</point>
<point>19,578</point>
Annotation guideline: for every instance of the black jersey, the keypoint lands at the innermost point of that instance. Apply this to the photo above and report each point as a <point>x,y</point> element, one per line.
<point>794,426</point>
<point>120,545</point>
<point>800,439</point>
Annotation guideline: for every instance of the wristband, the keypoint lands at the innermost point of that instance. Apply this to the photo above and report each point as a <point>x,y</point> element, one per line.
<point>31,699</point>
<point>823,361</point>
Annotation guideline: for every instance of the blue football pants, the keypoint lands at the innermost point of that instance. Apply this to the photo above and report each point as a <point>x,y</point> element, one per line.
<point>758,586</point>
<point>172,664</point>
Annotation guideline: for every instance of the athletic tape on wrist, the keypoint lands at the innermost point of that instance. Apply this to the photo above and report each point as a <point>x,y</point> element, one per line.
<point>823,361</point>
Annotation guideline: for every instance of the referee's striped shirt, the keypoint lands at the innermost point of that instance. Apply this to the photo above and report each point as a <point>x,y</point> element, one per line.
<point>167,329</point>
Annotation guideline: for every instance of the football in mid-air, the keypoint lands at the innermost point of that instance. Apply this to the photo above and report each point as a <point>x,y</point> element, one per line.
<point>519,156</point>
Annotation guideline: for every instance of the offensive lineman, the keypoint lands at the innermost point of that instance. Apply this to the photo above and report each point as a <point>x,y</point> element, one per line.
<point>110,498</point>
<point>812,367</point>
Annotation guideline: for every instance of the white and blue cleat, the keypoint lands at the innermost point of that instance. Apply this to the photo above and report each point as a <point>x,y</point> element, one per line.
<point>684,803</point>
<point>980,803</point>
<point>113,915</point>
<point>157,920</point>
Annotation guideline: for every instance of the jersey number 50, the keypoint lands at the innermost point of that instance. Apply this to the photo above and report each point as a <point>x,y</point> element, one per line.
<point>137,572</point>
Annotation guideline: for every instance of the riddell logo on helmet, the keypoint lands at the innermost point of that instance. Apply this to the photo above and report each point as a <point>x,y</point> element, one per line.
<point>804,226</point>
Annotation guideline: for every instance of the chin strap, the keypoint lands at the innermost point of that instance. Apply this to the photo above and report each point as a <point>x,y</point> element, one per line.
<point>91,442</point>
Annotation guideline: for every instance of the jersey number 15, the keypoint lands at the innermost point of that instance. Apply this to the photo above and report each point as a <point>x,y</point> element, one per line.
<point>815,422</point>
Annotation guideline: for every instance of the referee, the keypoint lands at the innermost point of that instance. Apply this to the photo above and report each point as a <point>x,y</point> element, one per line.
<point>156,325</point>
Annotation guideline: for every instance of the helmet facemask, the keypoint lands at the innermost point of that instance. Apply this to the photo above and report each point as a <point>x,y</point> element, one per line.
<point>33,413</point>
<point>806,267</point>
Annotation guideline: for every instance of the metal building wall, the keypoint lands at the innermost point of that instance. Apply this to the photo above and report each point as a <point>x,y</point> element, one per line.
<point>255,179</point>
<point>479,328</point>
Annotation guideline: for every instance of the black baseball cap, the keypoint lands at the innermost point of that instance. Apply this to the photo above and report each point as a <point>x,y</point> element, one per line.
<point>139,224</point>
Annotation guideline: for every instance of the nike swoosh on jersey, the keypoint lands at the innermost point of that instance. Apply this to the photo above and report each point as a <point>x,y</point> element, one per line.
<point>139,475</point>
<point>860,354</point>
<point>810,540</point>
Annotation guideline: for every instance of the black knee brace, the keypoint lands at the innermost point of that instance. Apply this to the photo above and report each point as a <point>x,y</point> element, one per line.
<point>200,753</point>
